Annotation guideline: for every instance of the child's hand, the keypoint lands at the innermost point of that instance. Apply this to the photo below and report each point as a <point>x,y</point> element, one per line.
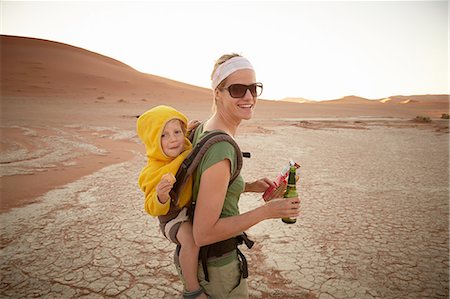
<point>164,186</point>
<point>192,124</point>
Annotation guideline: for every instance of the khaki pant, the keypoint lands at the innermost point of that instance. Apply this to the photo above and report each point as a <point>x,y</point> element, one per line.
<point>225,282</point>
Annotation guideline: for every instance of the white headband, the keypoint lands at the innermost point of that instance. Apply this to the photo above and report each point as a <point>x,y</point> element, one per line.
<point>229,67</point>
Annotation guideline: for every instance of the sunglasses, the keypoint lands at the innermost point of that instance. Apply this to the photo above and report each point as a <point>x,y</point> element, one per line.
<point>239,90</point>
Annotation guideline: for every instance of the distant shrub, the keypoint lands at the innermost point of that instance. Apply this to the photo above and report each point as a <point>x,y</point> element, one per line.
<point>422,119</point>
<point>445,116</point>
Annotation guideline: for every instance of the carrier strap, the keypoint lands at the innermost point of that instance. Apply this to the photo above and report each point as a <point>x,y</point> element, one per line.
<point>220,248</point>
<point>191,162</point>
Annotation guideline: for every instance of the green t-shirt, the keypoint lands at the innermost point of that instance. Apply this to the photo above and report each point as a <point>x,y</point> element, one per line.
<point>216,153</point>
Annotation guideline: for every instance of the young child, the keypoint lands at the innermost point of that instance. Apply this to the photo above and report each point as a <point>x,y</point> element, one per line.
<point>163,131</point>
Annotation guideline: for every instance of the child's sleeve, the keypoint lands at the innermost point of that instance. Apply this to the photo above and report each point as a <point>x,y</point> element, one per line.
<point>153,206</point>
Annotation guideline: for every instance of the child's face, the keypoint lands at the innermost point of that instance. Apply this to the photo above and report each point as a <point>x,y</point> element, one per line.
<point>172,138</point>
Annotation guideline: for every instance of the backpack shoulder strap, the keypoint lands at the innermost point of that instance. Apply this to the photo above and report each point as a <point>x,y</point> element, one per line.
<point>191,162</point>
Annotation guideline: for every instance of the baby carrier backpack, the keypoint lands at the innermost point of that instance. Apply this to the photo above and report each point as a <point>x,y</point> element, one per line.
<point>186,170</point>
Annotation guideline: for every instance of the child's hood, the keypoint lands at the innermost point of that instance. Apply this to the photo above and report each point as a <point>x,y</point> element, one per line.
<point>149,127</point>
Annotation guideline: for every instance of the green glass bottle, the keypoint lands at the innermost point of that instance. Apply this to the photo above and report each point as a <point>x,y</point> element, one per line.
<point>291,191</point>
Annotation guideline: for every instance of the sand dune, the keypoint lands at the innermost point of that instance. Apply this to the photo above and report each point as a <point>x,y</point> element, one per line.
<point>424,105</point>
<point>40,68</point>
<point>297,100</point>
<point>392,100</point>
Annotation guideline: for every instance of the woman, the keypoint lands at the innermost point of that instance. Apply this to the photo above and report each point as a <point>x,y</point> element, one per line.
<point>217,216</point>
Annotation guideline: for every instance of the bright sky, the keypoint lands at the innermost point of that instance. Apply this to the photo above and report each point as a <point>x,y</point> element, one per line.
<point>315,50</point>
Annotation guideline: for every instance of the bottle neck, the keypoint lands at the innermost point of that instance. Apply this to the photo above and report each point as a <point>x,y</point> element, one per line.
<point>291,179</point>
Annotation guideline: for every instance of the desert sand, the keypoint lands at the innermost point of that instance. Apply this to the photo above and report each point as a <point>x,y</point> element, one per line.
<point>374,185</point>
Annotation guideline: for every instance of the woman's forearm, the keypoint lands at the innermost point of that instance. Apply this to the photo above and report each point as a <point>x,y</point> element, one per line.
<point>228,227</point>
<point>224,228</point>
<point>209,227</point>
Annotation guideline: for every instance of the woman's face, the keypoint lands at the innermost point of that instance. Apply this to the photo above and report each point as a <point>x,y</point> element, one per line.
<point>237,108</point>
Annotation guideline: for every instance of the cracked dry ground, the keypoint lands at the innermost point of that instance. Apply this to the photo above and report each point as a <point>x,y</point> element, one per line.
<point>374,224</point>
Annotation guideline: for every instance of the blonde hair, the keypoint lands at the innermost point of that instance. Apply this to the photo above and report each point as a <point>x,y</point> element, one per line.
<point>219,61</point>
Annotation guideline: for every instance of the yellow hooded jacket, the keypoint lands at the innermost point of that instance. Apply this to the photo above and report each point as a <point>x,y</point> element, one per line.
<point>149,127</point>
